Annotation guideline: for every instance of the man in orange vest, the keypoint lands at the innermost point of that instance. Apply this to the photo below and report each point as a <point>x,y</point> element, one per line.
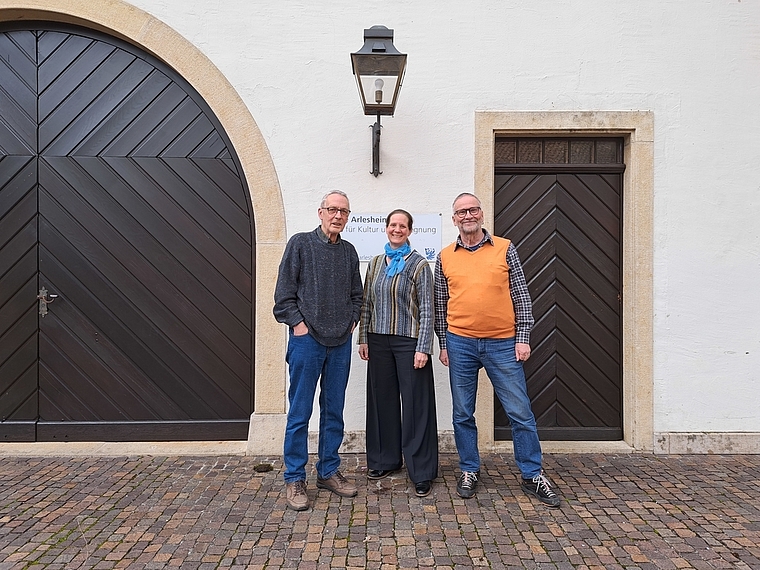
<point>483,319</point>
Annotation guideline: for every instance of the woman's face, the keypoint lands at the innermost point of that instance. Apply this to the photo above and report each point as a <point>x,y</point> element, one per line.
<point>398,230</point>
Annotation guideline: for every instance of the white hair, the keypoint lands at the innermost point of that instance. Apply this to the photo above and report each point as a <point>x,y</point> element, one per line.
<point>338,192</point>
<point>462,195</point>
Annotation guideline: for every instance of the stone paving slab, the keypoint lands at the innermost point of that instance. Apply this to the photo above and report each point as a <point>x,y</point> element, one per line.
<point>635,511</point>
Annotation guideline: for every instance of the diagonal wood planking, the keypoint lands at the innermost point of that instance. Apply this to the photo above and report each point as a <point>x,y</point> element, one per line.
<point>18,228</point>
<point>567,231</point>
<point>144,232</point>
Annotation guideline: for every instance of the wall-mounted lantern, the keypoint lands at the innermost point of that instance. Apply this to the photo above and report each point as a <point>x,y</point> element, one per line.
<point>379,70</point>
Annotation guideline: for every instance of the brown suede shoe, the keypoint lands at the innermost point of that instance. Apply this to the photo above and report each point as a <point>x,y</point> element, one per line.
<point>295,495</point>
<point>338,484</point>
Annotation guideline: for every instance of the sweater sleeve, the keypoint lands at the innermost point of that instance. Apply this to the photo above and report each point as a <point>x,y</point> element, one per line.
<point>286,290</point>
<point>368,301</point>
<point>357,290</point>
<point>424,289</point>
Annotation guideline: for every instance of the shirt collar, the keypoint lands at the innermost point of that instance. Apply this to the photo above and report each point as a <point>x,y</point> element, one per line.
<point>486,238</point>
<point>323,237</point>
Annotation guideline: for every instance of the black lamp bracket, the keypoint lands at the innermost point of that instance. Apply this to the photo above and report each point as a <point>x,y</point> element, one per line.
<point>376,147</point>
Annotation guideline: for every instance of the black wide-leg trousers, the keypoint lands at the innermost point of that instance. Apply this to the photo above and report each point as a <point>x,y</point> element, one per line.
<point>401,417</point>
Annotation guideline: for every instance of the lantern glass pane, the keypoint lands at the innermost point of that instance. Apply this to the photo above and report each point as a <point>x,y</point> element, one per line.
<point>368,89</point>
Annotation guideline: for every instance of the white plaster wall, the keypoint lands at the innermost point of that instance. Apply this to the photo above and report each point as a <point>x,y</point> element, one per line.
<point>695,64</point>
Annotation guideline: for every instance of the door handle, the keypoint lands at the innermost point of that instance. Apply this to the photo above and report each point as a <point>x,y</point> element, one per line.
<point>45,301</point>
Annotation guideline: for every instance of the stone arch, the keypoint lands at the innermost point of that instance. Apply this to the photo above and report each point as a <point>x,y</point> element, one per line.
<point>124,21</point>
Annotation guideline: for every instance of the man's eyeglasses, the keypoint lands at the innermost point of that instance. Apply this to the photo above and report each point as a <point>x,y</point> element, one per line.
<point>474,211</point>
<point>334,211</point>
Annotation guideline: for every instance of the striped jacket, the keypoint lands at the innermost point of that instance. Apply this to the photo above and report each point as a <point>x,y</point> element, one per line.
<point>400,305</point>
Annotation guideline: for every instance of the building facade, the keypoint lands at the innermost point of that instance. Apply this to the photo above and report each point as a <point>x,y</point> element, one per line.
<point>156,156</point>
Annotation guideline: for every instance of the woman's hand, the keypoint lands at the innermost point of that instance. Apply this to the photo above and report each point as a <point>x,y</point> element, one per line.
<point>420,359</point>
<point>364,351</point>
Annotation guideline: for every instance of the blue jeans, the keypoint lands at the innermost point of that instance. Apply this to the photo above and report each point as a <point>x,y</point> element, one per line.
<point>310,362</point>
<point>466,357</point>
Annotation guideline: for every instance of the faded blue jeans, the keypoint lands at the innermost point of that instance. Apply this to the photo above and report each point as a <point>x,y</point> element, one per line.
<point>466,357</point>
<point>310,362</point>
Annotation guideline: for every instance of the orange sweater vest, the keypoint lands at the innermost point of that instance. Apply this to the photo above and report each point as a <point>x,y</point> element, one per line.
<point>480,304</point>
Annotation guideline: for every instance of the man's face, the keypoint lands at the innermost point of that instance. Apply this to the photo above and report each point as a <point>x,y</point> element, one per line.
<point>333,224</point>
<point>468,224</point>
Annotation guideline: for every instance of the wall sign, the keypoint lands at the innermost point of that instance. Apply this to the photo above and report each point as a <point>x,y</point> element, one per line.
<point>367,234</point>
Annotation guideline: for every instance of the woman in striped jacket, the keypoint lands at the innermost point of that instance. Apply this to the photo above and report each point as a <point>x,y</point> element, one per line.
<point>396,340</point>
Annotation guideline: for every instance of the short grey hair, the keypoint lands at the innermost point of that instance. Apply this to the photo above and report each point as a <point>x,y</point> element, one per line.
<point>462,195</point>
<point>330,193</point>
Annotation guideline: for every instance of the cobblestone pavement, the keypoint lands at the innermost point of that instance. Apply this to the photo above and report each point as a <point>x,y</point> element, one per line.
<point>618,511</point>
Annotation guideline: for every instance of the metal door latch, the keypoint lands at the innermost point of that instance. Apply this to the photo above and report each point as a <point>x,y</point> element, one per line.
<point>45,301</point>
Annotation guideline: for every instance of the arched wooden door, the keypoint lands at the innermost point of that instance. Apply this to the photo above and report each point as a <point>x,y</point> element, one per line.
<point>560,202</point>
<point>120,194</point>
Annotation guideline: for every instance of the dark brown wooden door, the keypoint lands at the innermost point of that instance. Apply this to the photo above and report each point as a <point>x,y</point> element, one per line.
<point>119,193</point>
<point>567,227</point>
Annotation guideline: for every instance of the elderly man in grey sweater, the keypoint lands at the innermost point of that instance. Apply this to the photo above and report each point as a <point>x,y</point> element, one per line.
<point>319,296</point>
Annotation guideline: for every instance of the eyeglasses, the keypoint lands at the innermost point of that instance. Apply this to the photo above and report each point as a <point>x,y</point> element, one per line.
<point>334,211</point>
<point>474,211</point>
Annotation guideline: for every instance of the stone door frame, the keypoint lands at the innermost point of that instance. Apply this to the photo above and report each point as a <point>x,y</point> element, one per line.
<point>637,129</point>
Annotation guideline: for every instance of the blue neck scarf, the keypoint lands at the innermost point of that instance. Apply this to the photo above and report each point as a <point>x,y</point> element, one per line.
<point>396,256</point>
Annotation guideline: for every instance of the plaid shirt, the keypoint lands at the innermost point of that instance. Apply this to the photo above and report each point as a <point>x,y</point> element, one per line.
<point>518,289</point>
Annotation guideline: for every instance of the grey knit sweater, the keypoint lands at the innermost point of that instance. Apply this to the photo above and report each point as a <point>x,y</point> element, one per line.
<point>319,283</point>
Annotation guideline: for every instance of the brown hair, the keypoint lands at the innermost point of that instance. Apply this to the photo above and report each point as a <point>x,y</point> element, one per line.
<point>409,218</point>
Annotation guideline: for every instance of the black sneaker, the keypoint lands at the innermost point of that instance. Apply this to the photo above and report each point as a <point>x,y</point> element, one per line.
<point>466,484</point>
<point>540,488</point>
